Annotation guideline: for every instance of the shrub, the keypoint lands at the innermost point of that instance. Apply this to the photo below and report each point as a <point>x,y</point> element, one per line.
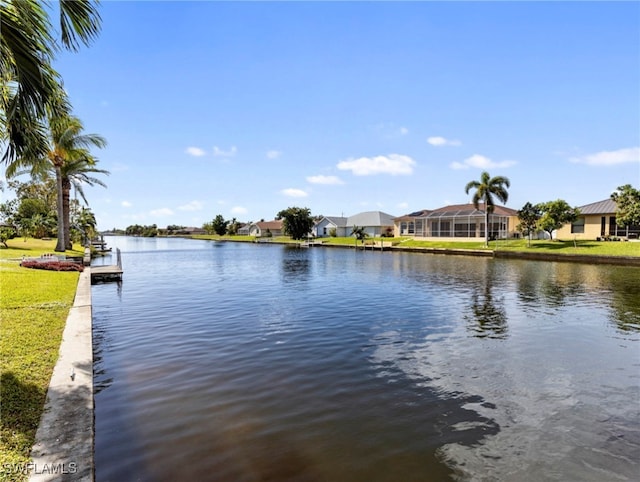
<point>53,265</point>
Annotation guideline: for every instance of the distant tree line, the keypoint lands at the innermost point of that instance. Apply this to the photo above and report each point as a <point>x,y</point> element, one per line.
<point>144,231</point>
<point>546,216</point>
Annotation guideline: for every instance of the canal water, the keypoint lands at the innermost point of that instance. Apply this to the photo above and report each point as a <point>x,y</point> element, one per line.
<point>242,362</point>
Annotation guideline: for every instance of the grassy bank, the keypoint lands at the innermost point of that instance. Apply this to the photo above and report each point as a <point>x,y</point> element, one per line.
<point>33,308</point>
<point>591,248</point>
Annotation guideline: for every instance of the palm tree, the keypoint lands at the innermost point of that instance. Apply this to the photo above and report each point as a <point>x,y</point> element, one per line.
<point>486,189</point>
<point>86,223</point>
<point>76,173</point>
<point>66,146</point>
<point>28,83</point>
<point>359,233</point>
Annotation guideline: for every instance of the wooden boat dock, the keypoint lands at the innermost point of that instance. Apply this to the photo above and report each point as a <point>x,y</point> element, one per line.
<point>108,273</point>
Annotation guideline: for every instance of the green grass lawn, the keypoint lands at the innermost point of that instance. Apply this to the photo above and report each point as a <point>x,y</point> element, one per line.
<point>34,305</point>
<point>594,248</point>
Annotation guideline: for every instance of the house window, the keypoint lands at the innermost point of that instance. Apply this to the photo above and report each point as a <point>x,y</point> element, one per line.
<point>412,228</point>
<point>419,229</point>
<point>324,231</point>
<point>403,227</point>
<point>577,227</point>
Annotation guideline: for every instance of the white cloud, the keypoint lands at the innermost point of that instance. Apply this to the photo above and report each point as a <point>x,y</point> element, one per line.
<point>394,164</point>
<point>480,162</point>
<point>292,192</point>
<point>192,206</point>
<point>239,210</point>
<point>273,154</point>
<point>195,151</point>
<point>609,158</point>
<point>441,141</point>
<point>403,205</point>
<point>126,204</point>
<point>220,153</point>
<point>320,179</point>
<point>162,212</point>
<point>403,131</point>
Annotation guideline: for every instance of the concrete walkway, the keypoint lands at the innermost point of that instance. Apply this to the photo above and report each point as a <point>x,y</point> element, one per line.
<point>64,441</point>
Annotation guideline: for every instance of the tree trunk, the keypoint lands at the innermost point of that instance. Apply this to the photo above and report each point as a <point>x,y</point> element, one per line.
<point>486,225</point>
<point>66,193</point>
<point>60,246</point>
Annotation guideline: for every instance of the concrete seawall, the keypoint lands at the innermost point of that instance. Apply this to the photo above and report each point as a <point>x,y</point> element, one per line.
<point>574,258</point>
<point>63,450</point>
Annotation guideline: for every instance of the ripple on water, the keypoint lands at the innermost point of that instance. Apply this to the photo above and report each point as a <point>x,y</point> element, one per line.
<point>245,362</point>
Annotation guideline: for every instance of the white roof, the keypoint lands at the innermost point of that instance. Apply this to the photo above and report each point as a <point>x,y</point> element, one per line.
<point>370,218</point>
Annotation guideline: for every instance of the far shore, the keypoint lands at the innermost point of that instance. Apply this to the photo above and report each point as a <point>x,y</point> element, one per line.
<point>596,252</point>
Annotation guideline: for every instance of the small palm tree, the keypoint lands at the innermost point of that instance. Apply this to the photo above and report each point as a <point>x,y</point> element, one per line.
<point>359,233</point>
<point>76,173</point>
<point>486,189</point>
<point>86,223</point>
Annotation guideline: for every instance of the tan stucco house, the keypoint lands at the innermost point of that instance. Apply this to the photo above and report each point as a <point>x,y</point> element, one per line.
<point>597,221</point>
<point>263,228</point>
<point>457,222</point>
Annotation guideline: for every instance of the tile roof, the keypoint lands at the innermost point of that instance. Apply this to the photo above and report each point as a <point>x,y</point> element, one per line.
<point>418,214</point>
<point>461,210</point>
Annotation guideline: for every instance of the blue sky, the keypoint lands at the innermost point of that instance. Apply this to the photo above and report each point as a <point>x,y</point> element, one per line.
<point>246,108</point>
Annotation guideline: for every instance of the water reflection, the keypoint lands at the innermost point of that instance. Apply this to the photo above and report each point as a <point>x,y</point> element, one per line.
<point>296,264</point>
<point>625,293</point>
<point>488,318</point>
<point>262,362</point>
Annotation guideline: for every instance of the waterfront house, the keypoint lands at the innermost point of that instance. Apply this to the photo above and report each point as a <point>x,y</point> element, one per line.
<point>263,228</point>
<point>458,222</point>
<point>597,221</point>
<point>323,227</point>
<point>375,223</point>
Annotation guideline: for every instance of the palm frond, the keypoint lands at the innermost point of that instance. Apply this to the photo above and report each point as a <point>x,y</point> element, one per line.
<point>79,23</point>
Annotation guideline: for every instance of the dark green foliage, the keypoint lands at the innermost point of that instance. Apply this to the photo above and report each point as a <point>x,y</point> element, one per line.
<point>7,233</point>
<point>627,200</point>
<point>528,216</point>
<point>144,231</point>
<point>219,225</point>
<point>296,222</point>
<point>555,214</point>
<point>359,233</point>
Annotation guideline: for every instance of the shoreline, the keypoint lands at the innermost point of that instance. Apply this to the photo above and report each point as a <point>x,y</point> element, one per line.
<point>63,447</point>
<point>488,253</point>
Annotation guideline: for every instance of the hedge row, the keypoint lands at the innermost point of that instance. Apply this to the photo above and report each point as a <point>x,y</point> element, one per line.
<point>53,265</point>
